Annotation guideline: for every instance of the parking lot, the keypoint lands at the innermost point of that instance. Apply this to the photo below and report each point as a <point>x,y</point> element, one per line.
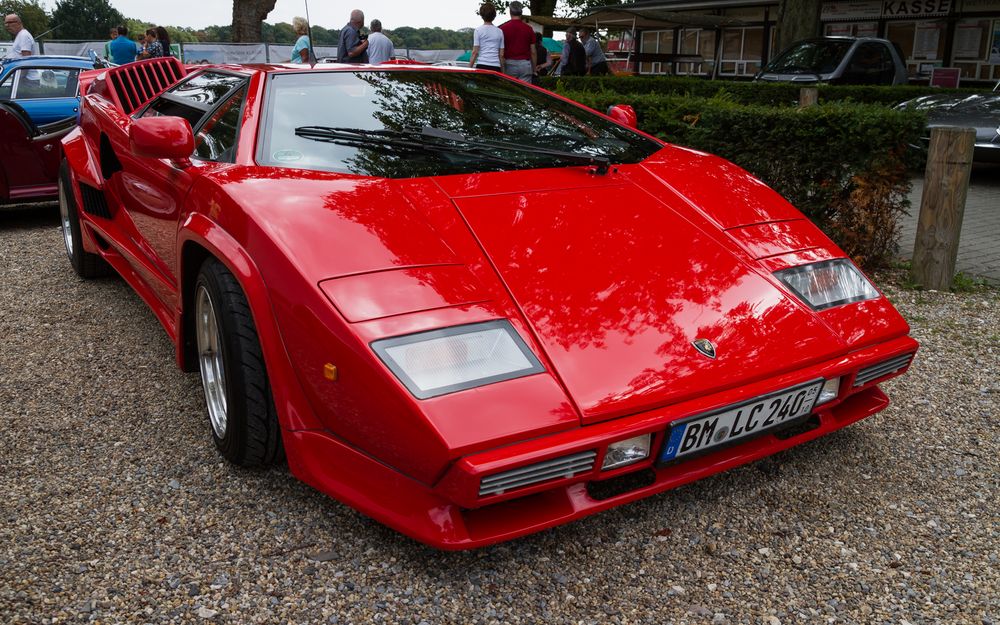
<point>116,507</point>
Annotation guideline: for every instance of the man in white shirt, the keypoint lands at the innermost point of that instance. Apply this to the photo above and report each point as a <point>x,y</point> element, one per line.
<point>24,43</point>
<point>380,48</point>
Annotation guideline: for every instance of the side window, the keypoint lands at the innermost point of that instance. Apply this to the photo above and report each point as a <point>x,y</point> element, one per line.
<point>7,86</point>
<point>48,83</point>
<point>866,64</point>
<point>165,105</point>
<point>193,98</point>
<point>216,139</point>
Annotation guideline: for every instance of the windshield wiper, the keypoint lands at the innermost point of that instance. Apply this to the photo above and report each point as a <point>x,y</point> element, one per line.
<point>600,163</point>
<point>378,139</point>
<point>440,139</point>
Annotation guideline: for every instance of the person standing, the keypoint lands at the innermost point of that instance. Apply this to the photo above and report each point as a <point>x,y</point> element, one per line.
<point>24,43</point>
<point>573,61</point>
<point>107,46</point>
<point>300,52</point>
<point>487,42</point>
<point>597,63</point>
<point>518,44</point>
<point>123,49</point>
<point>353,47</point>
<point>164,38</point>
<point>153,47</point>
<point>543,60</point>
<point>380,48</point>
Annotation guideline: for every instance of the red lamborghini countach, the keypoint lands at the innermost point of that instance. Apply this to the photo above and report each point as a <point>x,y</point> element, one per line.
<point>460,304</point>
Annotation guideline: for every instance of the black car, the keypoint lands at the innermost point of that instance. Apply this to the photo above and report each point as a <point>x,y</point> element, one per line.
<point>980,111</point>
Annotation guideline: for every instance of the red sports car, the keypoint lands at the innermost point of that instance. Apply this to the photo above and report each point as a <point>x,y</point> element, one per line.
<point>461,304</point>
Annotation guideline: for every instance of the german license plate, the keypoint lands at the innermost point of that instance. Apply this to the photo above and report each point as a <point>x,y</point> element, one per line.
<point>740,421</point>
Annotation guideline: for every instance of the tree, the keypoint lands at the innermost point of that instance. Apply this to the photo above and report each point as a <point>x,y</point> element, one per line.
<point>797,19</point>
<point>576,8</point>
<point>32,15</point>
<point>248,15</point>
<point>85,19</point>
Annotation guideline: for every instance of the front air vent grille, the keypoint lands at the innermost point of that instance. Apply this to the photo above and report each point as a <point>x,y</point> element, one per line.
<point>94,202</point>
<point>521,477</point>
<point>882,369</point>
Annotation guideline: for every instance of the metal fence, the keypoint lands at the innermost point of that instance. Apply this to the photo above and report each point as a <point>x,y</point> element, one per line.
<point>238,52</point>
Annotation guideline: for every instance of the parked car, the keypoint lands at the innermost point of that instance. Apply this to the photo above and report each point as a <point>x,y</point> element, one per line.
<point>980,111</point>
<point>38,106</point>
<point>46,87</point>
<point>463,305</point>
<point>839,61</point>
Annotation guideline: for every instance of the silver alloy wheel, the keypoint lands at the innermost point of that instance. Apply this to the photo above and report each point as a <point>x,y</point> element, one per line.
<point>67,227</point>
<point>210,360</point>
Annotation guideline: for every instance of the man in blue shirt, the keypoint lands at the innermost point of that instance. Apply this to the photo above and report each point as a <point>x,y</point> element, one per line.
<point>123,49</point>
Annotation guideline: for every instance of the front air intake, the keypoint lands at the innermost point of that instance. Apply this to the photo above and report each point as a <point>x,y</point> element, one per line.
<point>558,468</point>
<point>882,369</point>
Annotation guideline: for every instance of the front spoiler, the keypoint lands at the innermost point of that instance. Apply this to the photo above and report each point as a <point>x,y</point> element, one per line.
<point>441,515</point>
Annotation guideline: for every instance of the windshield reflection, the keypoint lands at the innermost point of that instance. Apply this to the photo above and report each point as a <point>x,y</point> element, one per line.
<point>478,106</point>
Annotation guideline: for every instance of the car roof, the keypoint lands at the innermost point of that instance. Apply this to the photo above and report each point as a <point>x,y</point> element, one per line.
<point>289,68</point>
<point>46,60</point>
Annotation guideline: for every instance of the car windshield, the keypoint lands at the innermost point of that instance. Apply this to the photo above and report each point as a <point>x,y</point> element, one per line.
<point>406,123</point>
<point>810,57</point>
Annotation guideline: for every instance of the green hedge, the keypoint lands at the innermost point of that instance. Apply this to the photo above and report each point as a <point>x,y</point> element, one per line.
<point>767,94</point>
<point>844,165</point>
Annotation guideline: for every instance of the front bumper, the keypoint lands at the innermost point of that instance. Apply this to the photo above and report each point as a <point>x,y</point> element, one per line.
<point>452,515</point>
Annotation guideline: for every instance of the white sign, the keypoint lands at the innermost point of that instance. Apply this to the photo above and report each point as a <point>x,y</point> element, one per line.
<point>851,10</point>
<point>925,41</point>
<point>968,38</point>
<point>915,8</point>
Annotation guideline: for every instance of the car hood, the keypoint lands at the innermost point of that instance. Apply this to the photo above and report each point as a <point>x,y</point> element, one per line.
<point>618,280</point>
<point>979,111</point>
<point>615,276</point>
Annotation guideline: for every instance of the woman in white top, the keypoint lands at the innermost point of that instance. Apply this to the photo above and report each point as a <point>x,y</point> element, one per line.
<point>487,42</point>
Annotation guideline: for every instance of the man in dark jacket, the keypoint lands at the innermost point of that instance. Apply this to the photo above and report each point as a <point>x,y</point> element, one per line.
<point>352,48</point>
<point>574,58</point>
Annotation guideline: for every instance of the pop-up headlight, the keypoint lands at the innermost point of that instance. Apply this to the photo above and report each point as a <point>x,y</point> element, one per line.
<point>453,359</point>
<point>828,283</point>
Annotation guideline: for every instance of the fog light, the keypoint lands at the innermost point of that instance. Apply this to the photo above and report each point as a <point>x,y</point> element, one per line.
<point>626,452</point>
<point>829,392</point>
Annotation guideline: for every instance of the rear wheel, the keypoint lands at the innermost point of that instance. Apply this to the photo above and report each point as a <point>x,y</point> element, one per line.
<point>85,264</point>
<point>240,407</point>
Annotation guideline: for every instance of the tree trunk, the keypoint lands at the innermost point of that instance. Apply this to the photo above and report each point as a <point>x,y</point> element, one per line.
<point>545,8</point>
<point>797,19</point>
<point>247,18</point>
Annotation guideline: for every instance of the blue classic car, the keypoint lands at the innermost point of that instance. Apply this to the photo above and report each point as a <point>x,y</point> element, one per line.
<point>46,87</point>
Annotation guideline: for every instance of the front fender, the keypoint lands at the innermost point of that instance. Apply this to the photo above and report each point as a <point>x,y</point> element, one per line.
<point>200,237</point>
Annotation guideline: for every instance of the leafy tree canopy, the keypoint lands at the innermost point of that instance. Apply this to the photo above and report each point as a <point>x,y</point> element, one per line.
<point>84,19</point>
<point>32,15</point>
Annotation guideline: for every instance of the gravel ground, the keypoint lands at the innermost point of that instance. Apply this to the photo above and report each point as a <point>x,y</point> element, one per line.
<point>116,508</point>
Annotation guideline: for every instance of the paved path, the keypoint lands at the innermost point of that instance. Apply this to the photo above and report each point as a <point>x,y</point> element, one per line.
<point>979,245</point>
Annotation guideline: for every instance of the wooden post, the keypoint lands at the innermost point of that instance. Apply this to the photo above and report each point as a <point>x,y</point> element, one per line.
<point>808,96</point>
<point>942,206</point>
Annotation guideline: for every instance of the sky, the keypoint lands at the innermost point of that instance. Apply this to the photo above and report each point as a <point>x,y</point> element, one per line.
<point>449,14</point>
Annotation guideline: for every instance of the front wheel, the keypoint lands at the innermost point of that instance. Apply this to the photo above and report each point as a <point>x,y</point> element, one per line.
<point>240,407</point>
<point>85,264</point>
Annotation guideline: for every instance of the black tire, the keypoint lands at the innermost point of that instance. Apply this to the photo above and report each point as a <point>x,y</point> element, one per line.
<point>85,264</point>
<point>251,436</point>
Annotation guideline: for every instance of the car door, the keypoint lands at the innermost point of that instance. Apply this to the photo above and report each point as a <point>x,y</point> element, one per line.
<point>866,65</point>
<point>152,191</point>
<point>47,94</point>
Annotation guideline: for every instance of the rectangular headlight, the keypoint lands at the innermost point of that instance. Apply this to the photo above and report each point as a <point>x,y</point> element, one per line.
<point>453,359</point>
<point>828,283</point>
